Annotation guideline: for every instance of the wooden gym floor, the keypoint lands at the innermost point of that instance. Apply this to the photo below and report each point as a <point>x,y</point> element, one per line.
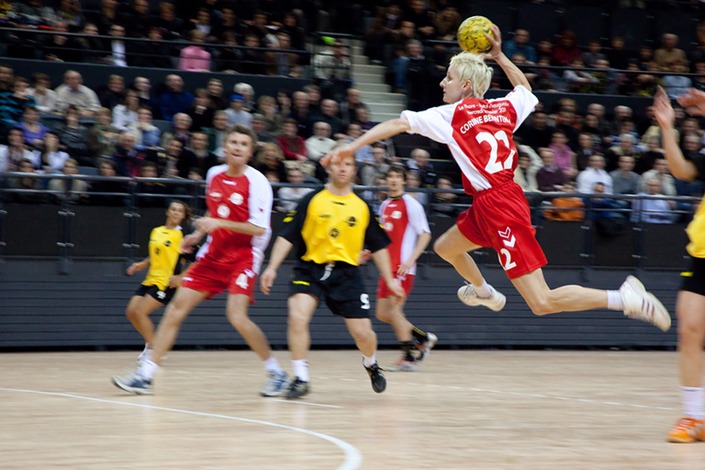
<point>477,409</point>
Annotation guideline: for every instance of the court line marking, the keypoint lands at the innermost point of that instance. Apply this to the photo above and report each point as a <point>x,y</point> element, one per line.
<point>307,403</point>
<point>353,457</point>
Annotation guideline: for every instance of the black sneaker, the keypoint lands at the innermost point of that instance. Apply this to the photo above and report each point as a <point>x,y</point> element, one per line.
<point>379,383</point>
<point>297,388</point>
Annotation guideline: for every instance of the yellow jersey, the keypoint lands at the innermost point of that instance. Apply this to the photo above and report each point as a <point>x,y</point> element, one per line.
<point>328,228</point>
<point>163,256</point>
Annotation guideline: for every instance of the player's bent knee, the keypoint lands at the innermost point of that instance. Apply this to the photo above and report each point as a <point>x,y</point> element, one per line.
<point>540,307</point>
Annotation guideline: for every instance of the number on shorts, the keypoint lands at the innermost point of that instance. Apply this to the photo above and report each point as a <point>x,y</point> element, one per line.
<point>507,263</point>
<point>365,300</point>
<point>242,281</point>
<point>494,165</point>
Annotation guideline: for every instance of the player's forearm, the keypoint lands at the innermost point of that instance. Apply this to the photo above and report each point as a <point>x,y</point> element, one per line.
<point>381,131</point>
<point>281,248</point>
<point>679,166</point>
<point>515,76</point>
<point>421,244</point>
<point>245,228</point>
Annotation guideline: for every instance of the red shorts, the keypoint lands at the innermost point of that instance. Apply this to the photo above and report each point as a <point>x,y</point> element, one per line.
<point>500,218</point>
<point>407,282</point>
<point>207,275</point>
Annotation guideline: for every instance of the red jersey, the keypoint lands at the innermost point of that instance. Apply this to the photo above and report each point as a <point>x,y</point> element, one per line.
<point>245,198</point>
<point>404,220</point>
<point>479,134</point>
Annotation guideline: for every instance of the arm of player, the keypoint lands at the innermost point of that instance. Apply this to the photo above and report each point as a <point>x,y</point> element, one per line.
<point>379,132</point>
<point>384,265</point>
<point>209,225</point>
<point>421,244</point>
<point>515,76</point>
<point>281,248</point>
<point>666,116</point>
<point>138,266</point>
<point>693,101</point>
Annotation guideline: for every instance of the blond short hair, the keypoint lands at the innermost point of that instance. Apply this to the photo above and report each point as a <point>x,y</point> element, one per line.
<point>472,67</point>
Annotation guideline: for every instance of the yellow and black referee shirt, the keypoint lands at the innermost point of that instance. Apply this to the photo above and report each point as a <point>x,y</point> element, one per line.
<point>328,228</point>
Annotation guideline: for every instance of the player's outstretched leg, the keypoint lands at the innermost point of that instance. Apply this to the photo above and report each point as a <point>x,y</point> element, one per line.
<point>642,305</point>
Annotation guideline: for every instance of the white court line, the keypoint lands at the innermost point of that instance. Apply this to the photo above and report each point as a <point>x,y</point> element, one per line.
<point>353,458</point>
<point>307,403</point>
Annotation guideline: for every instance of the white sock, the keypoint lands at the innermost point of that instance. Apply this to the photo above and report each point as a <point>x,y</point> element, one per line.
<point>147,369</point>
<point>300,367</point>
<point>272,365</point>
<point>614,300</point>
<point>693,402</point>
<point>368,361</point>
<point>483,290</point>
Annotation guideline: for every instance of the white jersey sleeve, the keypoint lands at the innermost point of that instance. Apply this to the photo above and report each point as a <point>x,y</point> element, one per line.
<point>261,198</point>
<point>524,103</point>
<point>416,214</point>
<point>433,123</point>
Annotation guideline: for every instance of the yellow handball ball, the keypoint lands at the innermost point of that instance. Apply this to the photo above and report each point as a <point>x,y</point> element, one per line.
<point>471,35</point>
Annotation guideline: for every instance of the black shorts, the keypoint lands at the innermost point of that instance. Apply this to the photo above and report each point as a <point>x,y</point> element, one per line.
<point>161,296</point>
<point>694,281</point>
<point>340,285</point>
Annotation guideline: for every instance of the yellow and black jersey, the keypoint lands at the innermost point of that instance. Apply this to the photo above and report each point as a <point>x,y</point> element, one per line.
<point>164,256</point>
<point>328,228</point>
<point>696,228</point>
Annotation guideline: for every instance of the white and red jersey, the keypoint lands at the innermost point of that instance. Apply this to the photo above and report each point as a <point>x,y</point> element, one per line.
<point>479,134</point>
<point>404,220</point>
<point>245,198</point>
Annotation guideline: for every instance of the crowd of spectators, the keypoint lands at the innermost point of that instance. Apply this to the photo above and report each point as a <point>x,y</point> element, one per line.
<point>112,127</point>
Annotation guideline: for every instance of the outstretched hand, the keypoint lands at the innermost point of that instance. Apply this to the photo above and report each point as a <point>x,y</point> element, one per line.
<point>496,40</point>
<point>337,154</point>
<point>693,101</point>
<point>663,111</point>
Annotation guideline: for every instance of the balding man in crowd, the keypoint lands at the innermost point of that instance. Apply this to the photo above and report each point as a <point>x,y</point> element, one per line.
<point>73,92</point>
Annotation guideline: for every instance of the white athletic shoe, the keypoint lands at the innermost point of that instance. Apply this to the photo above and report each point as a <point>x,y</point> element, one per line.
<point>468,296</point>
<point>642,305</point>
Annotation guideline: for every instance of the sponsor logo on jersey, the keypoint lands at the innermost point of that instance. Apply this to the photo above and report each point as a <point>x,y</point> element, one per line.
<point>396,215</point>
<point>236,198</point>
<point>223,211</point>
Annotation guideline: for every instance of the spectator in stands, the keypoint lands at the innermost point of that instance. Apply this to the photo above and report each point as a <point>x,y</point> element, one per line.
<point>52,159</point>
<point>70,12</point>
<point>661,174</point>
<point>143,87</point>
<point>320,143</point>
<point>329,114</point>
<point>383,30</point>
<point>566,50</point>
<point>116,46</point>
<point>364,155</point>
<point>369,172</point>
<point>537,132</point>
<point>91,47</point>
<point>301,113</point>
<point>229,59</point>
<point>107,15</point>
<point>108,169</point>
<point>550,177</point>
<point>591,126</point>
<point>669,56</point>
<point>58,47</point>
<point>420,161</point>
<point>33,186</point>
<point>375,197</point>
<point>174,99</point>
<point>237,113</point>
<point>267,108</point>
<point>646,160</point>
<point>565,208</point>
<point>348,107</point>
<point>33,129</point>
<point>44,96</point>
<point>332,71</point>
<point>125,114</point>
<point>215,94</point>
<point>228,26</point>
<point>281,62</point>
<point>113,92</point>
<point>578,81</point>
<point>194,58</point>
<point>196,156</point>
<point>676,85</point>
<point>653,211</point>
<point>216,132</point>
<point>446,23</point>
<point>167,160</point>
<point>420,71</point>
<point>137,19</point>
<point>73,93</point>
<point>564,156</point>
<point>444,203</point>
<point>290,25</point>
<point>171,25</point>
<point>606,212</point>
<point>15,151</point>
<point>413,180</point>
<point>528,164</point>
<point>260,126</point>
<point>627,145</point>
<point>252,57</point>
<point>35,13</point>
<point>180,129</point>
<point>248,92</point>
<point>69,190</point>
<point>594,173</point>
<point>586,148</point>
<point>292,144</point>
<point>270,159</point>
<point>289,197</point>
<point>617,54</point>
<point>201,112</point>
<point>127,158</point>
<point>101,138</point>
<point>592,54</point>
<point>153,52</point>
<point>624,179</point>
<point>147,135</point>
<point>7,76</point>
<point>152,193</point>
<point>73,135</point>
<point>520,44</point>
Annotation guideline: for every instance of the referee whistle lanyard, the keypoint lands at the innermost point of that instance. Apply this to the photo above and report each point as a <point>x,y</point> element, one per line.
<point>326,273</point>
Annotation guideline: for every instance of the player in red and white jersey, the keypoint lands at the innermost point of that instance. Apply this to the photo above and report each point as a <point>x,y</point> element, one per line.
<point>239,200</point>
<point>404,220</point>
<point>479,134</point>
